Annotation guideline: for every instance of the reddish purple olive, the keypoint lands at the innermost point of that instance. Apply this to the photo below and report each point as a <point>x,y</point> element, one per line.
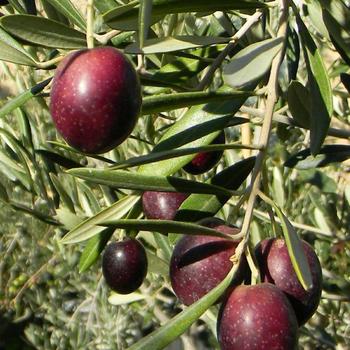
<point>199,263</point>
<point>276,267</point>
<point>95,99</point>
<point>205,161</point>
<point>162,205</point>
<point>257,317</point>
<point>124,265</point>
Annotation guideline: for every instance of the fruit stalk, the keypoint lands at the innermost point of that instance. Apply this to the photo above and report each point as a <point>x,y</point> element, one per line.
<point>265,131</point>
<point>90,24</point>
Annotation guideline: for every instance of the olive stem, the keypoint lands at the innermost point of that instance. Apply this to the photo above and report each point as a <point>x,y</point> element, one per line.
<point>90,24</point>
<point>298,225</point>
<point>272,98</point>
<point>50,63</point>
<point>281,118</point>
<point>251,20</point>
<point>104,38</point>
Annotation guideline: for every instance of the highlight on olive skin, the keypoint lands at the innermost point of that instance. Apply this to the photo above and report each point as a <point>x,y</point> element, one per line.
<point>162,205</point>
<point>124,265</point>
<point>95,99</point>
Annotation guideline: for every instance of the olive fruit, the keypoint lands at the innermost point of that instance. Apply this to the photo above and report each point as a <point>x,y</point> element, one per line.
<point>95,99</point>
<point>257,317</point>
<point>124,265</point>
<point>162,205</point>
<point>204,161</point>
<point>199,262</point>
<point>276,267</point>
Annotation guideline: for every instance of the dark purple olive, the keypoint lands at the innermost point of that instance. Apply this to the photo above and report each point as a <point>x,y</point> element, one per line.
<point>124,265</point>
<point>257,317</point>
<point>162,205</point>
<point>204,161</point>
<point>95,99</point>
<point>276,267</point>
<point>199,263</point>
<point>3,2</point>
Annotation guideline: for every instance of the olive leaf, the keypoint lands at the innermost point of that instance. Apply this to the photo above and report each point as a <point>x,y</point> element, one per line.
<point>327,155</point>
<point>43,31</point>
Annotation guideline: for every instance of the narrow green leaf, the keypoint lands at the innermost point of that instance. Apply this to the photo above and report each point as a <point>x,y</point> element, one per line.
<point>23,162</point>
<point>125,17</point>
<point>105,5</point>
<point>164,335</point>
<point>299,103</point>
<point>53,14</point>
<point>182,68</point>
<point>4,197</point>
<point>119,11</point>
<point>36,214</point>
<point>296,252</point>
<point>278,188</point>
<point>89,227</point>
<point>200,206</point>
<point>171,44</point>
<point>327,155</point>
<point>157,156</point>
<point>43,31</point>
<point>164,246</point>
<point>62,192</point>
<point>252,62</point>
<point>339,35</point>
<point>68,219</point>
<point>345,79</point>
<point>315,14</point>
<point>292,53</point>
<point>162,103</point>
<point>17,5</point>
<point>54,157</point>
<point>87,199</point>
<point>12,51</point>
<point>23,98</point>
<point>137,181</point>
<point>13,171</point>
<point>161,226</point>
<point>145,20</point>
<point>294,246</point>
<point>67,8</point>
<point>30,7</point>
<point>94,248</point>
<point>26,137</point>
<point>164,226</point>
<point>157,265</point>
<point>198,127</point>
<point>321,108</point>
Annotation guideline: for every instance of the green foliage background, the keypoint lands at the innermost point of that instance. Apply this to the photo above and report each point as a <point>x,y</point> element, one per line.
<point>45,302</point>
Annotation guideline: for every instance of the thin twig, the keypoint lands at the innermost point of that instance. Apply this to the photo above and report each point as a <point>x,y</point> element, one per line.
<point>298,225</point>
<point>281,118</point>
<point>251,20</point>
<point>265,132</point>
<point>33,279</point>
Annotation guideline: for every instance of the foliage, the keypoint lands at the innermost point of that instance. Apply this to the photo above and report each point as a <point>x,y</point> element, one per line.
<point>205,66</point>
